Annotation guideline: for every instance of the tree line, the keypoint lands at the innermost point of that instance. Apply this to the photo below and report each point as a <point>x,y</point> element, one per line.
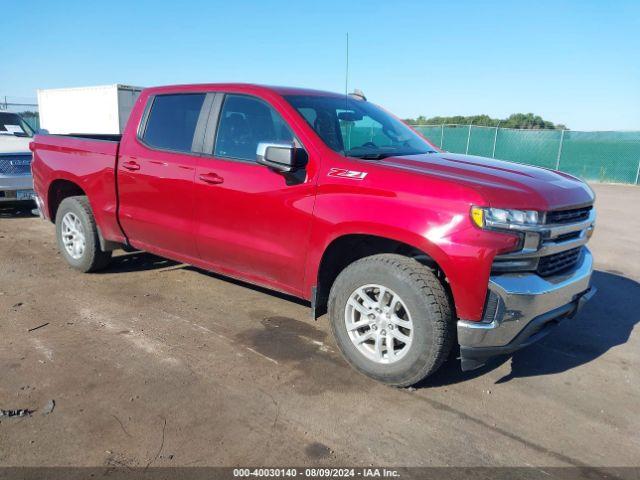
<point>515,120</point>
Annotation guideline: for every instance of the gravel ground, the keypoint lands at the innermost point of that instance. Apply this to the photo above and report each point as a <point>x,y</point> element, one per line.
<point>157,363</point>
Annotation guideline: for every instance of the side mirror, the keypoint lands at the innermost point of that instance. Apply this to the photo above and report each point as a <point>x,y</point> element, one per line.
<point>283,157</point>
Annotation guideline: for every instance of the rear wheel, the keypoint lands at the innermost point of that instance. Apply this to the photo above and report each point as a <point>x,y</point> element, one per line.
<point>78,237</point>
<point>391,318</point>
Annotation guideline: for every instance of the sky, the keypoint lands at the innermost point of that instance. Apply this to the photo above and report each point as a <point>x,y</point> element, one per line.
<point>572,62</point>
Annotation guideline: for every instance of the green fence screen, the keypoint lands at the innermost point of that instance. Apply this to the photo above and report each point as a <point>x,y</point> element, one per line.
<point>597,156</point>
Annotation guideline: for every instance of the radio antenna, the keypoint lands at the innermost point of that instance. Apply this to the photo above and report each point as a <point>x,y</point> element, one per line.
<point>346,76</point>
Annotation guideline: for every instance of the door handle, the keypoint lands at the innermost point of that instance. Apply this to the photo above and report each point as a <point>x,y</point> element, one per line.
<point>131,165</point>
<point>211,178</point>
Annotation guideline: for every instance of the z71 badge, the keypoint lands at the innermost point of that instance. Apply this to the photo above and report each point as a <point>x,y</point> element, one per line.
<point>344,173</point>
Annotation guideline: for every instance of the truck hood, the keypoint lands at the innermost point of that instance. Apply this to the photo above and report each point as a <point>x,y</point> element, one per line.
<point>502,184</point>
<point>12,144</point>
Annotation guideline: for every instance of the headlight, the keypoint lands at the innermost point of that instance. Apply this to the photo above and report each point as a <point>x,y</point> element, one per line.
<point>486,217</point>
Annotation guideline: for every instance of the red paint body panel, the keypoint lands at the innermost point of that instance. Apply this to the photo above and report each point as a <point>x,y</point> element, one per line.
<point>430,216</point>
<point>253,223</point>
<point>157,200</point>
<point>90,164</point>
<point>250,224</point>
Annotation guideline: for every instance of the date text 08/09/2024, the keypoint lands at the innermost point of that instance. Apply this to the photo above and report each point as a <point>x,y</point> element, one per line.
<point>316,472</point>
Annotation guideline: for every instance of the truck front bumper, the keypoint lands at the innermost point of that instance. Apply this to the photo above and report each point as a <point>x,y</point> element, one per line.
<point>527,307</point>
<point>18,188</point>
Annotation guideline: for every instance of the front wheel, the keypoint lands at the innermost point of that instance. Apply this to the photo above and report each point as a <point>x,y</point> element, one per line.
<point>78,237</point>
<point>391,318</point>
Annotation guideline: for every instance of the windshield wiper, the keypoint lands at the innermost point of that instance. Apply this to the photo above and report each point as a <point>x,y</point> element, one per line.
<point>381,155</point>
<point>371,156</point>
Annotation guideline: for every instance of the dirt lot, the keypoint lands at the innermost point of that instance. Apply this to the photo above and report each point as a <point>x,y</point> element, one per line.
<point>157,363</point>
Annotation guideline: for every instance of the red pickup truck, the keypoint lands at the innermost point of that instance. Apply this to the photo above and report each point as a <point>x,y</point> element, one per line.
<point>332,199</point>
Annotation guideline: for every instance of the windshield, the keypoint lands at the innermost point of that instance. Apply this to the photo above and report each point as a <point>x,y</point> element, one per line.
<point>357,128</point>
<point>13,124</point>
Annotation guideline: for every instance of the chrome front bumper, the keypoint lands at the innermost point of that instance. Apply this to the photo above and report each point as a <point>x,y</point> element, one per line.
<point>9,185</point>
<point>528,304</point>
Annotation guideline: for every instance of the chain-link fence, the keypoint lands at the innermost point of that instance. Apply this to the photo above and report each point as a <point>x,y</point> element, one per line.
<point>26,107</point>
<point>600,156</point>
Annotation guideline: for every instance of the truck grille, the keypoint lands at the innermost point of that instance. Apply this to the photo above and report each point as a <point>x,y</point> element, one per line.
<point>568,216</point>
<point>19,164</point>
<point>558,262</point>
<point>568,236</point>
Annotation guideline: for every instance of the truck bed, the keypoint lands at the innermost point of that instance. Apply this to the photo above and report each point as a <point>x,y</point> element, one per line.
<point>94,136</point>
<point>88,160</point>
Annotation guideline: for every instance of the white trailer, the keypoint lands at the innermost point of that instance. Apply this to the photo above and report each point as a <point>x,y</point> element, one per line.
<point>101,109</point>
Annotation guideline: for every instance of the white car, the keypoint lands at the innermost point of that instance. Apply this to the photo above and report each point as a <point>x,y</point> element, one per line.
<point>16,183</point>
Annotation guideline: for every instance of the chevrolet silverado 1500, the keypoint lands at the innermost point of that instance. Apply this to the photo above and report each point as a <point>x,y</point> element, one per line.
<point>332,199</point>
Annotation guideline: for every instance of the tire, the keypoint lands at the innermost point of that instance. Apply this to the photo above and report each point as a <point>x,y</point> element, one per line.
<point>78,211</point>
<point>423,302</point>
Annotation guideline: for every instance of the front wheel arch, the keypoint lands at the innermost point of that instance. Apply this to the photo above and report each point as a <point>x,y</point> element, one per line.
<point>346,249</point>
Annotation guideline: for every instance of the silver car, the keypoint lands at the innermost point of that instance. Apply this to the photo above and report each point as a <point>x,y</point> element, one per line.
<point>16,183</point>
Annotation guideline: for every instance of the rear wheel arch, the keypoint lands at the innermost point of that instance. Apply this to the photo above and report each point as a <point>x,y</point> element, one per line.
<point>59,190</point>
<point>78,236</point>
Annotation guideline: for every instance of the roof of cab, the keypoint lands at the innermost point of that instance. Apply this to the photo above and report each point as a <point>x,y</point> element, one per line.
<point>239,87</point>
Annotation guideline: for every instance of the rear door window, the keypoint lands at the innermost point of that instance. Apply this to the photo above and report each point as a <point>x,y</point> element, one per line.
<point>172,121</point>
<point>244,122</point>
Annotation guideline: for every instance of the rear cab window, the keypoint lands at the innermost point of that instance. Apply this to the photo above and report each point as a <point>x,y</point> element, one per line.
<point>172,120</point>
